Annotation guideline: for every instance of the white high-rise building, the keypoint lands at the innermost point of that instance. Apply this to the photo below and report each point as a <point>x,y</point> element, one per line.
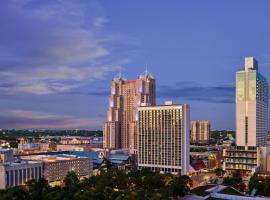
<point>163,138</point>
<point>251,105</point>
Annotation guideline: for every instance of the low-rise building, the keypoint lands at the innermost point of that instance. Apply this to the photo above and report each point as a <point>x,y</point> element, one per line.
<point>6,155</point>
<point>56,167</point>
<point>18,173</point>
<point>211,159</point>
<point>75,140</point>
<point>26,148</point>
<point>247,159</point>
<point>72,147</point>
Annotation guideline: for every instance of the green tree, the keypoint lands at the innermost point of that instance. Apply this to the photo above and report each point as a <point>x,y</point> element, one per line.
<point>253,183</point>
<point>37,189</point>
<point>219,171</point>
<point>14,193</point>
<point>267,187</point>
<point>71,180</point>
<point>181,186</point>
<point>235,180</point>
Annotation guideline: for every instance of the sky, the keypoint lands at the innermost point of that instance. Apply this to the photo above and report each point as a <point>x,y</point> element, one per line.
<point>58,57</point>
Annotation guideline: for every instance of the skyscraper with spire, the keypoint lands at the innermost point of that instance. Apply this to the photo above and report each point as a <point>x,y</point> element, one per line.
<point>120,129</point>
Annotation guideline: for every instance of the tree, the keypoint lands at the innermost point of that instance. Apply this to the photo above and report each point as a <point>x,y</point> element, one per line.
<point>253,183</point>
<point>267,187</point>
<point>71,180</point>
<point>181,186</point>
<point>235,180</point>
<point>219,171</point>
<point>37,189</point>
<point>14,193</point>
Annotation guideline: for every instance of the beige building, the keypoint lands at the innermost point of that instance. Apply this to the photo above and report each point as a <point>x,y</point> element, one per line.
<point>246,159</point>
<point>75,140</point>
<point>163,138</point>
<point>72,147</point>
<point>56,167</point>
<point>200,132</point>
<point>120,129</point>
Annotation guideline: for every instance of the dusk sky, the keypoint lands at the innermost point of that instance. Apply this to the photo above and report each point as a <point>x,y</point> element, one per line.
<point>57,57</point>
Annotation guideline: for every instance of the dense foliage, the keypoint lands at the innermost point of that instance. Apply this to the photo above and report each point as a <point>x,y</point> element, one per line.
<point>221,134</point>
<point>111,184</point>
<point>235,180</point>
<point>39,133</point>
<point>260,184</point>
<point>219,171</point>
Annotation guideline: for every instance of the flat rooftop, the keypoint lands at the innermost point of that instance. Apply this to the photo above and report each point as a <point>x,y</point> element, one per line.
<point>53,158</point>
<point>19,163</point>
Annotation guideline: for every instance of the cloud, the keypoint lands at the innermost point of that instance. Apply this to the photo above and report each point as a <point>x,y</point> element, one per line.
<point>189,91</point>
<point>53,46</point>
<point>100,21</point>
<point>25,119</point>
<point>193,92</point>
<point>49,81</point>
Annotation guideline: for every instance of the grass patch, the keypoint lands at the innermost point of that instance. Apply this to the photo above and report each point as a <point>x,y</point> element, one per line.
<point>231,191</point>
<point>200,191</point>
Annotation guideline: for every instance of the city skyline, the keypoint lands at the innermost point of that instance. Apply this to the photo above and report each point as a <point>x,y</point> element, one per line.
<point>56,65</point>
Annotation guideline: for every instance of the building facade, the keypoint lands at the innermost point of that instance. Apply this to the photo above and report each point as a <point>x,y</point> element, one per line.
<point>56,167</point>
<point>120,129</point>
<point>250,152</point>
<point>251,105</point>
<point>243,158</point>
<point>17,172</point>
<point>163,138</point>
<point>200,132</point>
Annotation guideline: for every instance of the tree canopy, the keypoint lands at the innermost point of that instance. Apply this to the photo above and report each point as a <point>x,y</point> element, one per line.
<point>111,184</point>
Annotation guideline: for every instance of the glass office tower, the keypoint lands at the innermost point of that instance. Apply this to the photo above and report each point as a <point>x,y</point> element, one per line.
<point>251,105</point>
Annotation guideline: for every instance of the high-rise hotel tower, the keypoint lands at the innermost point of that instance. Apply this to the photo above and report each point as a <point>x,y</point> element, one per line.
<point>251,105</point>
<point>120,129</point>
<point>163,138</point>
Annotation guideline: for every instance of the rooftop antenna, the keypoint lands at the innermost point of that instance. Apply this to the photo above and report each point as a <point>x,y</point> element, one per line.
<point>120,72</point>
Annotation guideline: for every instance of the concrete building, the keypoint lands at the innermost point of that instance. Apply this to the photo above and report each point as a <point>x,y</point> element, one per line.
<point>17,172</point>
<point>163,138</point>
<point>6,155</point>
<point>243,158</point>
<point>251,105</point>
<point>56,166</point>
<point>200,132</point>
<point>28,146</point>
<point>72,147</point>
<point>246,159</point>
<point>120,129</point>
<point>75,140</point>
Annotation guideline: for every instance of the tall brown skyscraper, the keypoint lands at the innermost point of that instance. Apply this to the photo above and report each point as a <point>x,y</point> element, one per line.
<point>120,129</point>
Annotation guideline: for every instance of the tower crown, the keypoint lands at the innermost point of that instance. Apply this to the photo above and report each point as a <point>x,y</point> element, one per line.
<point>146,74</point>
<point>250,63</point>
<point>119,77</point>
